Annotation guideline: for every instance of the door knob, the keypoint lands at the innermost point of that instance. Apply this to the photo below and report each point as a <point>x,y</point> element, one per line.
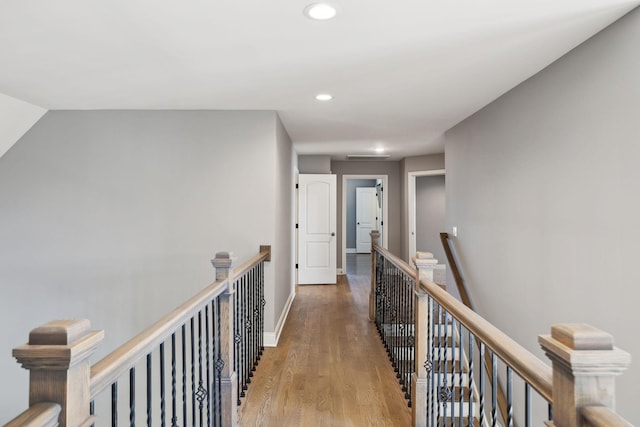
<point>333,234</point>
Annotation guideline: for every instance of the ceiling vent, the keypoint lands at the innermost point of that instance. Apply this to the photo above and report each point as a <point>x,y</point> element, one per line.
<point>367,156</point>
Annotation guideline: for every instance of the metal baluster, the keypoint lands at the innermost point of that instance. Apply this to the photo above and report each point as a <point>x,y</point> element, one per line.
<point>245,334</point>
<point>174,415</point>
<point>550,411</point>
<point>248,373</point>
<point>114,404</point>
<point>494,390</point>
<point>428,364</point>
<point>527,405</point>
<point>444,343</point>
<point>132,397</point>
<point>220,363</point>
<point>163,412</point>
<point>263,303</point>
<point>92,410</point>
<point>509,396</point>
<point>452,347</point>
<point>412,347</point>
<point>440,363</point>
<point>200,394</point>
<point>184,375</point>
<point>482,379</point>
<point>471,379</point>
<point>216,379</point>
<point>193,372</point>
<point>149,402</point>
<point>207,357</point>
<point>460,375</point>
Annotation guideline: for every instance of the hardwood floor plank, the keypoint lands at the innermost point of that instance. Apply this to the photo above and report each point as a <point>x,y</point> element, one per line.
<point>329,369</point>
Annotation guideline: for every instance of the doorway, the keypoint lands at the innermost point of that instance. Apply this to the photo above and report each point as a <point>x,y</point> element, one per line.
<point>379,182</point>
<point>426,212</point>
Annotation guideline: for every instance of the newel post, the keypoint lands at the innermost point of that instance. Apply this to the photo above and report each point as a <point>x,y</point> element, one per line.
<point>375,238</point>
<point>424,266</point>
<point>585,364</point>
<point>57,357</point>
<point>222,263</point>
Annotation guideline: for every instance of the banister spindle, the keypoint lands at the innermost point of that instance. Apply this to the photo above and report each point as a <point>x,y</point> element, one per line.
<point>57,356</point>
<point>222,263</point>
<point>585,364</point>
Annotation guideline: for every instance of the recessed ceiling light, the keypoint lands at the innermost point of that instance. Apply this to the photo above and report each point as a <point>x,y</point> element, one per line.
<point>324,97</point>
<point>320,11</point>
<point>380,150</point>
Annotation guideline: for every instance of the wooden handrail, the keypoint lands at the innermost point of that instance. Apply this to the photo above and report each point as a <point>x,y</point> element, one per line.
<point>406,268</point>
<point>462,290</point>
<point>43,414</point>
<point>264,255</point>
<point>529,367</point>
<point>601,416</point>
<point>110,368</point>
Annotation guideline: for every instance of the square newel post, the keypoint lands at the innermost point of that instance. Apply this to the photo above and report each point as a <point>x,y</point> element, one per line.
<point>375,238</point>
<point>585,364</point>
<point>420,376</point>
<point>57,357</point>
<point>222,263</point>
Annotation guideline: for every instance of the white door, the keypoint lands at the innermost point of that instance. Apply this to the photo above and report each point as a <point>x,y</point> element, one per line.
<point>366,212</point>
<point>316,229</point>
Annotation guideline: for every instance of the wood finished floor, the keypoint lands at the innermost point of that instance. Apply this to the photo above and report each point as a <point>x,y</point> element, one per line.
<point>330,368</point>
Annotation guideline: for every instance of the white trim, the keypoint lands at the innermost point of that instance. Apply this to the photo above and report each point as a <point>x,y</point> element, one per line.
<point>385,211</point>
<point>351,251</point>
<point>411,208</point>
<point>340,272</point>
<point>271,338</point>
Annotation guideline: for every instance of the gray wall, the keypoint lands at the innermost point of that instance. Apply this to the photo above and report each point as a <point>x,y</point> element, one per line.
<point>543,187</point>
<point>390,168</point>
<point>352,184</point>
<point>413,164</point>
<point>114,216</point>
<point>314,164</point>
<point>430,215</point>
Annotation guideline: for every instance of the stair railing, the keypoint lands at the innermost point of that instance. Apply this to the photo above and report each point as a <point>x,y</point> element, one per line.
<point>466,300</point>
<point>212,343</point>
<point>449,340</point>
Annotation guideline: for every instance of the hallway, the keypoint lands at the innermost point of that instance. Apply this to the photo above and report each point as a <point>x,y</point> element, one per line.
<point>330,368</point>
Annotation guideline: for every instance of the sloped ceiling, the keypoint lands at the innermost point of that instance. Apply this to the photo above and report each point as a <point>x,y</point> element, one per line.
<point>401,73</point>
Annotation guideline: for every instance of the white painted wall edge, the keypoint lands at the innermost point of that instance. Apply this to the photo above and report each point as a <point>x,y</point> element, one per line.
<point>340,272</point>
<point>271,338</point>
<point>16,118</point>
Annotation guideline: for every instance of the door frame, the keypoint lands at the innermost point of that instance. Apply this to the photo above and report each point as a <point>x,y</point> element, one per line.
<point>371,191</point>
<point>411,208</point>
<point>385,213</point>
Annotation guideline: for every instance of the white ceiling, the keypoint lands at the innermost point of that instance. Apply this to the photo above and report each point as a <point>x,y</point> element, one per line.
<point>402,72</point>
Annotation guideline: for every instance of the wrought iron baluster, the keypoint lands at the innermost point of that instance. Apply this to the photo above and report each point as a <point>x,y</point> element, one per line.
<point>263,303</point>
<point>207,357</point>
<point>550,412</point>
<point>460,375</point>
<point>444,391</point>
<point>471,379</point>
<point>183,340</point>
<point>438,341</point>
<point>149,398</point>
<point>527,405</point>
<point>174,415</point>
<point>163,414</point>
<point>193,372</point>
<point>114,404</point>
<point>201,393</point>
<point>482,380</point>
<point>132,397</point>
<point>452,348</point>
<point>219,363</point>
<point>509,396</point>
<point>494,390</point>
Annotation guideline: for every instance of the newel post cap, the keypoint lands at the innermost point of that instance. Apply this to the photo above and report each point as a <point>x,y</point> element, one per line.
<point>584,350</point>
<point>222,263</point>
<point>375,236</point>
<point>58,345</point>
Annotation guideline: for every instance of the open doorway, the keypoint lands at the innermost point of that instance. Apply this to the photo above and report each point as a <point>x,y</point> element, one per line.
<point>426,213</point>
<point>378,185</point>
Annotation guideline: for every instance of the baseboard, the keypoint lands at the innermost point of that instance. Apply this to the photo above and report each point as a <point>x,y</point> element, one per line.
<point>339,272</point>
<point>350,251</point>
<point>271,338</point>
